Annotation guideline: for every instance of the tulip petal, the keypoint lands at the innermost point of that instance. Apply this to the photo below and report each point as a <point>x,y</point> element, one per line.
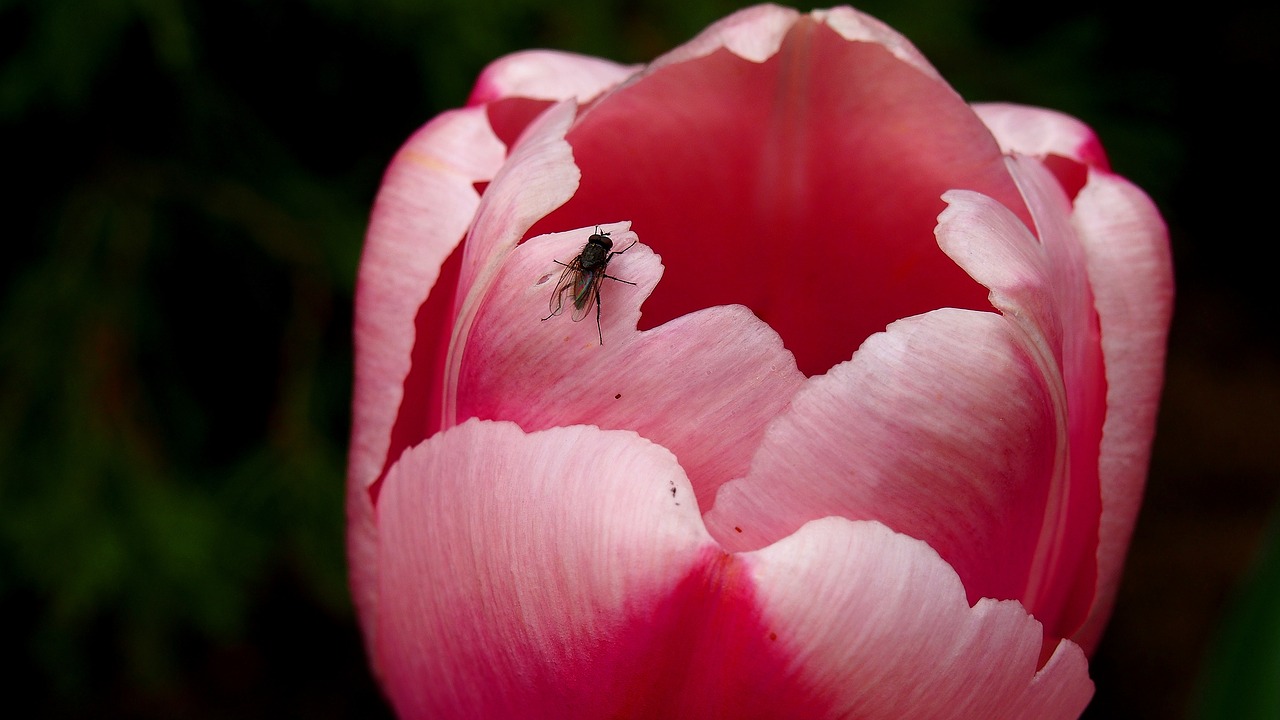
<point>878,627</point>
<point>752,33</point>
<point>422,210</point>
<point>538,177</point>
<point>1040,132</point>
<point>854,25</point>
<point>578,584</point>
<point>548,75</point>
<point>756,33</point>
<point>1041,286</point>
<point>703,385</point>
<point>961,416</point>
<point>940,427</point>
<point>1128,260</point>
<point>804,185</point>
<point>520,572</point>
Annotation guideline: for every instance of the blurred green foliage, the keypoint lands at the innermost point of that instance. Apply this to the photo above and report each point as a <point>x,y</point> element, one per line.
<point>189,183</point>
<point>1239,679</point>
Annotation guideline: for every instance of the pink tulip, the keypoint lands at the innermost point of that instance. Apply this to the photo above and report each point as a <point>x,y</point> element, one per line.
<point>874,450</point>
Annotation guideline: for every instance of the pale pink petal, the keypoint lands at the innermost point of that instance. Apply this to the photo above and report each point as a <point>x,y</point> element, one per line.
<point>804,186</point>
<point>524,575</point>
<point>941,428</point>
<point>537,178</point>
<point>703,385</point>
<point>548,75</point>
<point>1066,573</point>
<point>1040,132</point>
<point>877,626</point>
<point>855,25</point>
<point>422,210</point>
<point>1040,285</point>
<point>1128,259</point>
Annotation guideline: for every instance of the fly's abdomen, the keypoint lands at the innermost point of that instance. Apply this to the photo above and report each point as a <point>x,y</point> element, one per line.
<point>582,288</point>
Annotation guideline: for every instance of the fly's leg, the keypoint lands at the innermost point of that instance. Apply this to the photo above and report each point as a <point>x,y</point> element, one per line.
<point>599,331</point>
<point>619,252</point>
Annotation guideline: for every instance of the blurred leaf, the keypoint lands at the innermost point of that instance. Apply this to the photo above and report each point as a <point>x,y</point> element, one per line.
<point>57,50</point>
<point>1241,680</point>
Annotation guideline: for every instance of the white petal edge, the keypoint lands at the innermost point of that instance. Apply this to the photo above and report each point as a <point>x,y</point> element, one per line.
<point>549,75</point>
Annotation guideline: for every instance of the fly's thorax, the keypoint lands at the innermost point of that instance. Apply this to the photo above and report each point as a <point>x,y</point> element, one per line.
<point>596,253</point>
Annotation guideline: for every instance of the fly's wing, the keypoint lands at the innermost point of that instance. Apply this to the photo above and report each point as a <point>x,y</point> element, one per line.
<point>564,285</point>
<point>586,292</point>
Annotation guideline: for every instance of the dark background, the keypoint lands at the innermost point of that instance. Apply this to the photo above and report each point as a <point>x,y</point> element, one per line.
<point>187,187</point>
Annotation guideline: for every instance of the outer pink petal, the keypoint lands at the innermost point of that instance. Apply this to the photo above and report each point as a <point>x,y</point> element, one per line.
<point>941,428</point>
<point>878,627</point>
<point>1040,132</point>
<point>519,570</point>
<point>1041,286</point>
<point>1129,265</point>
<point>421,213</point>
<point>548,75</point>
<point>570,578</point>
<point>577,583</point>
<point>703,385</point>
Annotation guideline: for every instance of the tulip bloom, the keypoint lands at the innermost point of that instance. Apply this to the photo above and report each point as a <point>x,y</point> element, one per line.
<point>874,449</point>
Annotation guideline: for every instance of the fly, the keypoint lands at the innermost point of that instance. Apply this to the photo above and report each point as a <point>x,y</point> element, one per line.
<point>583,276</point>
